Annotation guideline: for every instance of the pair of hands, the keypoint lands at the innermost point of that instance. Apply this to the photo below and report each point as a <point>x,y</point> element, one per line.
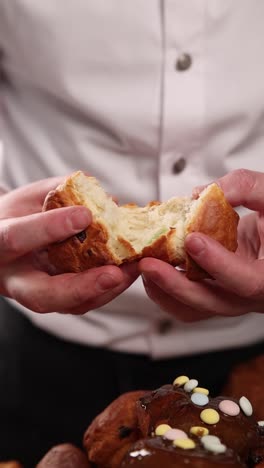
<point>238,286</point>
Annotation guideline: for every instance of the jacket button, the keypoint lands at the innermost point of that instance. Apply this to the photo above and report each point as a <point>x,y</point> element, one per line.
<point>165,326</point>
<point>184,62</point>
<point>179,166</point>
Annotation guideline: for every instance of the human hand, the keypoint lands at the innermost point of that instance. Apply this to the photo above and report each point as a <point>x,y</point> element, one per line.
<point>24,229</point>
<point>238,284</point>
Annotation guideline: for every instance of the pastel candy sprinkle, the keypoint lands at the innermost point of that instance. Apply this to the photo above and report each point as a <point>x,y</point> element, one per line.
<point>246,406</point>
<point>181,380</point>
<point>162,429</point>
<point>190,385</point>
<point>205,391</point>
<point>215,448</point>
<point>185,444</point>
<point>199,431</point>
<point>210,438</point>
<point>209,416</point>
<point>213,444</point>
<point>199,399</point>
<point>229,407</point>
<point>174,434</point>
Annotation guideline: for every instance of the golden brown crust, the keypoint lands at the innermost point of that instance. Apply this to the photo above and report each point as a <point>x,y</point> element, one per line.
<point>215,217</point>
<point>81,252</point>
<point>113,431</point>
<point>163,248</point>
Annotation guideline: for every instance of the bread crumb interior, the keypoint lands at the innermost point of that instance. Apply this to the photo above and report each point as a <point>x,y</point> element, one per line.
<point>140,226</point>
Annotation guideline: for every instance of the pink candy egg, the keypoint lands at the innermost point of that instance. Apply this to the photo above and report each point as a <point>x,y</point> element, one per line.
<point>229,407</point>
<point>173,434</point>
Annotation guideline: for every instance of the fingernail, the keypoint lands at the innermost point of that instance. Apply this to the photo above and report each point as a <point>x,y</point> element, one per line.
<point>195,245</point>
<point>80,219</point>
<point>106,281</point>
<point>144,279</point>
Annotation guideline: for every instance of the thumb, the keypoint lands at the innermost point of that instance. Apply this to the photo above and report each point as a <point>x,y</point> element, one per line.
<point>19,236</point>
<point>231,270</point>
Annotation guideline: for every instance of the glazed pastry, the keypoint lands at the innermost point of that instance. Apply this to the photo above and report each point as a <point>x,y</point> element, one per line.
<point>182,410</point>
<point>158,452</point>
<point>64,456</point>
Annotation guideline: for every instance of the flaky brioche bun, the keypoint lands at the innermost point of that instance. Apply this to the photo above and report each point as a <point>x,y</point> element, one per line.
<point>120,234</point>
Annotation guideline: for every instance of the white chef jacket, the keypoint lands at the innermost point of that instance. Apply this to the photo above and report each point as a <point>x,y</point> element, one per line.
<point>152,97</point>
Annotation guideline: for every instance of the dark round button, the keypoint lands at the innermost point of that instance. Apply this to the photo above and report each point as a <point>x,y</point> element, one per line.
<point>184,62</point>
<point>179,166</point>
<point>165,326</point>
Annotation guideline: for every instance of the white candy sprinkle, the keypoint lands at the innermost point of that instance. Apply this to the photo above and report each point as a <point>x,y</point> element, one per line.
<point>261,423</point>
<point>190,385</point>
<point>139,453</point>
<point>210,438</point>
<point>216,448</point>
<point>213,444</point>
<point>246,406</point>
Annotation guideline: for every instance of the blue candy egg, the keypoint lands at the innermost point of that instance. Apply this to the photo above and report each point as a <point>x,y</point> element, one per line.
<point>199,399</point>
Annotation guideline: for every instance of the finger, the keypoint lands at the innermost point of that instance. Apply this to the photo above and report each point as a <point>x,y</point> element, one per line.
<point>171,305</point>
<point>42,293</point>
<point>130,275</point>
<point>203,296</point>
<point>197,190</point>
<point>173,282</point>
<point>236,274</point>
<point>22,235</point>
<point>29,197</point>
<point>241,187</point>
<point>244,187</point>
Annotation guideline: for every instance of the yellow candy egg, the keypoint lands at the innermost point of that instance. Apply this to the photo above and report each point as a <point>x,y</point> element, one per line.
<point>181,380</point>
<point>199,431</point>
<point>162,429</point>
<point>201,390</point>
<point>185,444</point>
<point>209,416</point>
